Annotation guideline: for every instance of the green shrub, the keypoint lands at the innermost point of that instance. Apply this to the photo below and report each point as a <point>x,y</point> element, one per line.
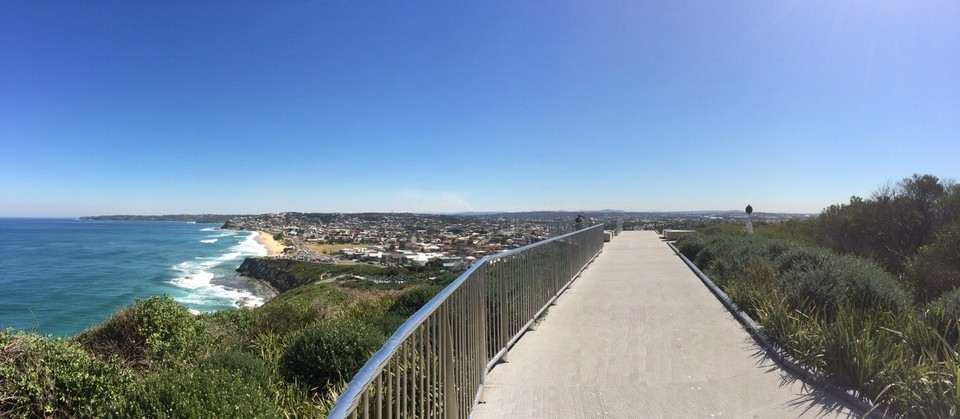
<point>230,329</point>
<point>387,323</point>
<point>726,263</point>
<point>368,309</point>
<point>801,259</point>
<point>775,248</point>
<point>171,332</point>
<point>818,286</point>
<point>869,285</point>
<point>152,331</point>
<point>949,303</point>
<point>286,318</point>
<point>724,230</point>
<point>118,336</point>
<point>376,313</point>
<point>713,249</point>
<point>943,315</point>
<point>411,300</point>
<point>691,245</point>
<point>193,392</point>
<point>330,351</point>
<point>936,267</point>
<point>40,377</point>
<point>242,364</point>
<point>845,279</point>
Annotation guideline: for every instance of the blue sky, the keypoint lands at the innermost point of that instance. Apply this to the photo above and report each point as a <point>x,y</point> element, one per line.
<point>252,107</point>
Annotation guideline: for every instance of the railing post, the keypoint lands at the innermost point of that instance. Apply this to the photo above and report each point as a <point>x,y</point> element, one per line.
<point>484,332</point>
<point>449,387</point>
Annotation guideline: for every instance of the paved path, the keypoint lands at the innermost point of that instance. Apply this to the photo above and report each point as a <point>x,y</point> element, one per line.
<point>639,336</point>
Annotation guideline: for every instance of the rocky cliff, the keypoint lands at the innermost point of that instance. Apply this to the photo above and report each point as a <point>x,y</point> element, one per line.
<point>281,274</point>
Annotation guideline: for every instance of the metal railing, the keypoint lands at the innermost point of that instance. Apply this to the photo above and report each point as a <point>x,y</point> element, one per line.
<point>435,364</point>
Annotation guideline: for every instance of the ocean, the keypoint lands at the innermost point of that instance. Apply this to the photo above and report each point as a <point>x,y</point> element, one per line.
<point>60,276</point>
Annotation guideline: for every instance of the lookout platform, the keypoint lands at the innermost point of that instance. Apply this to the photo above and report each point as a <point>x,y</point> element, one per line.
<point>639,336</point>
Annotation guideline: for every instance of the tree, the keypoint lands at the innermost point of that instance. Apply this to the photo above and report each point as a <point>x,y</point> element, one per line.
<point>923,192</point>
<point>936,268</point>
<point>894,223</point>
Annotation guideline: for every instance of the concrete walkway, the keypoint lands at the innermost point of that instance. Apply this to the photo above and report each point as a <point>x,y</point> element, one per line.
<point>639,336</point>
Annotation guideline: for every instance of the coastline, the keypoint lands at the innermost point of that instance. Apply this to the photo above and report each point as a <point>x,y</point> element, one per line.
<point>266,240</point>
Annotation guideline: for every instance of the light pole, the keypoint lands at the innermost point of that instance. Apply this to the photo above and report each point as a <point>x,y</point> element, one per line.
<point>749,219</point>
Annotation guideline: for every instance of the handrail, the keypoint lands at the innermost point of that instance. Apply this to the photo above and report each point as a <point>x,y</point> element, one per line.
<point>435,364</point>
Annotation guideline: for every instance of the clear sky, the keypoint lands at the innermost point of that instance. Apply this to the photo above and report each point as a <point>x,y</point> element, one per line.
<point>130,107</point>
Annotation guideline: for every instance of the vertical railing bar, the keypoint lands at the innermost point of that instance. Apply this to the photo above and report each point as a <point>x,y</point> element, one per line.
<point>434,368</point>
<point>447,358</point>
<point>421,364</point>
<point>406,379</point>
<point>531,281</point>
<point>365,413</point>
<point>517,297</point>
<point>479,314</point>
<point>463,357</point>
<point>498,307</point>
<point>423,371</point>
<point>510,304</point>
<point>455,339</point>
<point>475,334</point>
<point>380,396</point>
<point>412,377</point>
<point>518,279</point>
<point>504,304</point>
<point>415,372</point>
<point>428,361</point>
<point>536,276</point>
<point>390,374</point>
<point>531,285</point>
<point>497,310</point>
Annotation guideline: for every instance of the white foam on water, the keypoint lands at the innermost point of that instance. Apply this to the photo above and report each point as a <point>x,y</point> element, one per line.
<point>250,246</point>
<point>209,229</point>
<point>208,241</point>
<point>195,275</point>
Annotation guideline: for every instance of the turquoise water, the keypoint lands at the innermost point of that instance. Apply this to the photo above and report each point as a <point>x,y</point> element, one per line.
<point>60,276</point>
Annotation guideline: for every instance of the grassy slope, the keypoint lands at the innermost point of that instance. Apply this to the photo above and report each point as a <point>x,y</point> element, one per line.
<point>155,359</point>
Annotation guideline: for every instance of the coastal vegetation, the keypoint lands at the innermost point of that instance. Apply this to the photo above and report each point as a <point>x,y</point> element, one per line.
<point>865,295</point>
<point>288,358</point>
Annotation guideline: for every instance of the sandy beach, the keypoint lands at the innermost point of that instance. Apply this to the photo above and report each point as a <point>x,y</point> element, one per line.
<point>266,239</point>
